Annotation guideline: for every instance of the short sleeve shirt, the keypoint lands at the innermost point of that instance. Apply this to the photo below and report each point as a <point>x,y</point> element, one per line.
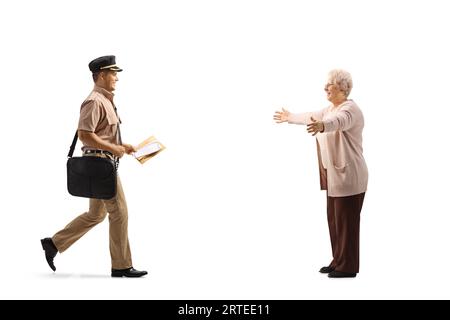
<point>97,115</point>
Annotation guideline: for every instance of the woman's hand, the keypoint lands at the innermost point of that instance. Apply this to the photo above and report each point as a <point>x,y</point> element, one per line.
<point>315,126</point>
<point>128,148</point>
<point>281,116</point>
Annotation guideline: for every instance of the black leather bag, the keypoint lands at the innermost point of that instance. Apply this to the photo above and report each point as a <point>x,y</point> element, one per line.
<point>90,176</point>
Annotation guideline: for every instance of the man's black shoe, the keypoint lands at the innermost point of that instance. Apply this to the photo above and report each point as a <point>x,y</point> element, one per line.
<point>130,273</point>
<point>339,274</point>
<point>326,269</point>
<point>50,251</point>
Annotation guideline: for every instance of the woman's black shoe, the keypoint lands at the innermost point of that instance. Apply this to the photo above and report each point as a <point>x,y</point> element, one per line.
<point>339,274</point>
<point>326,269</point>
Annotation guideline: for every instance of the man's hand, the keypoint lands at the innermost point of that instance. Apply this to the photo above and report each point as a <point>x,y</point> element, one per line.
<point>281,116</point>
<point>129,148</point>
<point>315,127</point>
<point>118,151</point>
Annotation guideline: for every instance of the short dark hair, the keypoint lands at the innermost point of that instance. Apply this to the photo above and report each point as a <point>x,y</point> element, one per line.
<point>95,75</point>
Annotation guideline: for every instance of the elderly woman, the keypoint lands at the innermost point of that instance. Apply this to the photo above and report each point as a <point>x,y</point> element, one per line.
<point>343,172</point>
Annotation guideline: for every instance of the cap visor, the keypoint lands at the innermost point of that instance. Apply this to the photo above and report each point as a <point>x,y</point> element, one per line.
<point>112,67</point>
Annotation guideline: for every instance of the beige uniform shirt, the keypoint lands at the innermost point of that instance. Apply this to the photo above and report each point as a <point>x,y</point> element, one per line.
<point>343,168</point>
<point>97,115</point>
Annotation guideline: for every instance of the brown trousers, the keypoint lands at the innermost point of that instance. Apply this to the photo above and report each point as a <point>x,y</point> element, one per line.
<point>343,222</point>
<point>116,207</point>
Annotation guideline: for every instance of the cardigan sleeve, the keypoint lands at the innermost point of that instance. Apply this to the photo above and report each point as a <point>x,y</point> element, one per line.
<point>305,118</point>
<point>343,120</point>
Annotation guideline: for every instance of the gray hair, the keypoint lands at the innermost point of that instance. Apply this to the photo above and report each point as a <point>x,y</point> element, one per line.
<point>342,79</point>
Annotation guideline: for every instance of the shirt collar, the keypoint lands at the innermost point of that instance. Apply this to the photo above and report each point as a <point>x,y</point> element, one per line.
<point>104,92</point>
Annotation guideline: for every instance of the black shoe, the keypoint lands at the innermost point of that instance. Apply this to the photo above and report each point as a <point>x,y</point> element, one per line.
<point>130,273</point>
<point>339,274</point>
<point>50,251</point>
<point>326,269</point>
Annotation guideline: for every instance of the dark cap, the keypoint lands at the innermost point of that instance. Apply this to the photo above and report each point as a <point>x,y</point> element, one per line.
<point>104,63</point>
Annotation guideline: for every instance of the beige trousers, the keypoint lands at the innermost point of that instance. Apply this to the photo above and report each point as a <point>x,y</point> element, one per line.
<point>118,228</point>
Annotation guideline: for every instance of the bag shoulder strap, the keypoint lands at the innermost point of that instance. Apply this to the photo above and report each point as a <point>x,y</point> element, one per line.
<point>72,147</point>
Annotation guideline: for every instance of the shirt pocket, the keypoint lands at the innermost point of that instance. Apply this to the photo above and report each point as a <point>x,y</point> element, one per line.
<point>112,119</point>
<point>111,129</point>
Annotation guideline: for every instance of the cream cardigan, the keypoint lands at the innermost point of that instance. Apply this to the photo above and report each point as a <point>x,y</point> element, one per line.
<point>340,145</point>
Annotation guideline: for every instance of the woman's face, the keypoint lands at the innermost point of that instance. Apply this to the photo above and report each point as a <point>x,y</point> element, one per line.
<point>333,92</point>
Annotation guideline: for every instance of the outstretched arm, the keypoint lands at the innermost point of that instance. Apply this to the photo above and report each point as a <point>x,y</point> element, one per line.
<point>281,116</point>
<point>297,118</point>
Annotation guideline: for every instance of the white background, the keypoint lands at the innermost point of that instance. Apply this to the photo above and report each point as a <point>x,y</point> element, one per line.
<point>232,209</point>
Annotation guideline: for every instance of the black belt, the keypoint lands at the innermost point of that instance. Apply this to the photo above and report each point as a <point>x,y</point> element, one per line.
<point>89,151</point>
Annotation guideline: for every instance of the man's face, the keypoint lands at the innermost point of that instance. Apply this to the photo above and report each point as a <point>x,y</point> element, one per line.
<point>110,78</point>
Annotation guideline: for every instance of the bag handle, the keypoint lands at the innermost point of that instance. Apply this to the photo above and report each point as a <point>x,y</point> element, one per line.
<point>75,138</point>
